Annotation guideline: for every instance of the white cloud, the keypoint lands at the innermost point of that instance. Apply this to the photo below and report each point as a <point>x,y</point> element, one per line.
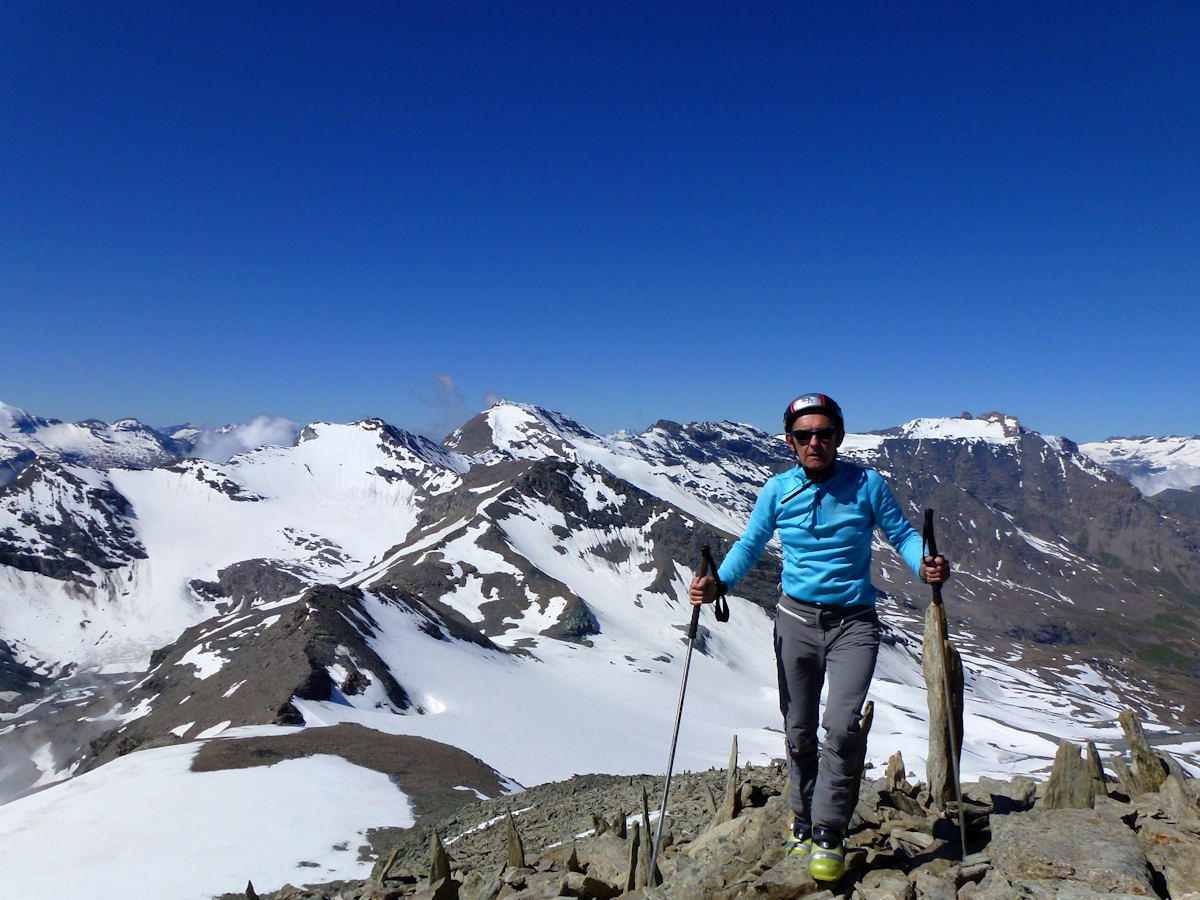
<point>219,445</point>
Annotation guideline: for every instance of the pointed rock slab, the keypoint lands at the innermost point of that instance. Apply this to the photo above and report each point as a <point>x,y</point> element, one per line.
<point>439,861</point>
<point>1148,768</point>
<point>731,802</point>
<point>1070,783</point>
<point>1126,780</point>
<point>929,886</point>
<point>1179,803</point>
<point>1096,770</point>
<point>1172,764</point>
<point>1172,803</point>
<point>516,849</point>
<point>635,845</point>
<point>941,665</point>
<point>864,727</point>
<point>619,826</point>
<point>646,878</point>
<point>894,775</point>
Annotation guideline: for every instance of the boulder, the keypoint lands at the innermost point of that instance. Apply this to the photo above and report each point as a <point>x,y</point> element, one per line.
<point>1069,849</point>
<point>994,886</point>
<point>589,888</point>
<point>787,879</point>
<point>927,884</point>
<point>1003,796</point>
<point>731,802</point>
<point>1173,852</point>
<point>885,884</point>
<point>751,833</point>
<point>604,856</point>
<point>446,889</point>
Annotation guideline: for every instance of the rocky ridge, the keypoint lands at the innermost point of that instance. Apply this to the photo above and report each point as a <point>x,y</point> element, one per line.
<point>1133,831</point>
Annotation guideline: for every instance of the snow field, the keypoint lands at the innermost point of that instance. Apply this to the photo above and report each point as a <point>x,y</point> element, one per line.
<point>156,829</point>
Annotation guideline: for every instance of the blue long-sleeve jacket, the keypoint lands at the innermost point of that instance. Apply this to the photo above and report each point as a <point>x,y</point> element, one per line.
<point>826,534</point>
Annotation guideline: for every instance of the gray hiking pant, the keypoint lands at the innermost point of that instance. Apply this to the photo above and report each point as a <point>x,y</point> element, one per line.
<point>808,645</point>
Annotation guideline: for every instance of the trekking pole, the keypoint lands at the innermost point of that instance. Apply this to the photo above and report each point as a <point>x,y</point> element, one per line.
<point>706,563</point>
<point>931,548</point>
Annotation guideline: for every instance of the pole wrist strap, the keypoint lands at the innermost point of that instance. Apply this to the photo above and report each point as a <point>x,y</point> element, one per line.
<point>721,607</point>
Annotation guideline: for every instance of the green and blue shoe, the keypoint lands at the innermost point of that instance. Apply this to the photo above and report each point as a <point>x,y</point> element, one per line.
<point>827,858</point>
<point>799,841</point>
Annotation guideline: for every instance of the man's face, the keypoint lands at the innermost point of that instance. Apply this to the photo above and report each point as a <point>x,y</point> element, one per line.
<point>815,453</point>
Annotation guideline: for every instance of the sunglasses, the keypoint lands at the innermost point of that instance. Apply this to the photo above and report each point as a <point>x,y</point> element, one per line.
<point>803,435</point>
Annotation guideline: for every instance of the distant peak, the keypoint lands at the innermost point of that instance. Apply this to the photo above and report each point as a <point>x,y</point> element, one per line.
<point>1010,425</point>
<point>991,426</point>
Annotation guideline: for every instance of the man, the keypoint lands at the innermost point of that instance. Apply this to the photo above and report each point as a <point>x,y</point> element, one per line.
<point>825,511</point>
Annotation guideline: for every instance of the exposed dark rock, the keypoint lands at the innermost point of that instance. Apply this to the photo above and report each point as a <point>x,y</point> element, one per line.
<point>576,624</point>
<point>17,678</point>
<point>1052,634</point>
<point>214,477</point>
<point>257,580</point>
<point>81,528</point>
<point>438,778</point>
<point>261,661</point>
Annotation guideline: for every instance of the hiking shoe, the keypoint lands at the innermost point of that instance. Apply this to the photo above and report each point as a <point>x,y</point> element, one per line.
<point>827,858</point>
<point>799,841</point>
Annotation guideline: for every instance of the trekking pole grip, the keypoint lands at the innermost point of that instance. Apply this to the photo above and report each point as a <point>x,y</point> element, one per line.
<point>705,562</point>
<point>931,550</point>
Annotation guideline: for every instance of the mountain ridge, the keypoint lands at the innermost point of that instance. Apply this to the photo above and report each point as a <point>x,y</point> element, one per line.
<point>515,592</point>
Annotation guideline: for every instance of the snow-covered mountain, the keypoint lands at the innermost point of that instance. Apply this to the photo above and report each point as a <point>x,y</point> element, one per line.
<point>515,596</point>
<point>1152,464</point>
<point>126,443</point>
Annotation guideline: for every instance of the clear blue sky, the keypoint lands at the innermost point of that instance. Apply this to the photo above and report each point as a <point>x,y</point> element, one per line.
<point>623,211</point>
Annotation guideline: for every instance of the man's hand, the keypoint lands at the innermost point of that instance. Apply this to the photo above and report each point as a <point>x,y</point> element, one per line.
<point>935,571</point>
<point>703,590</point>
